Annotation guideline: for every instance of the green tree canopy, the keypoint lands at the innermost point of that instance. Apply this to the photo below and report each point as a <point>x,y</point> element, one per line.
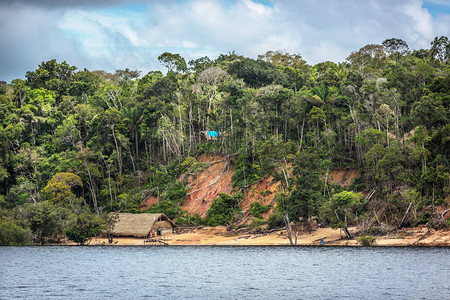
<point>84,227</point>
<point>59,188</point>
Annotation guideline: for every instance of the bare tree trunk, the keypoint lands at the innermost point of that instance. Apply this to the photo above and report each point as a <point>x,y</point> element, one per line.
<point>92,189</point>
<point>301,135</point>
<point>231,120</point>
<point>285,173</point>
<point>325,188</point>
<point>108,167</point>
<point>288,229</point>
<point>406,213</point>
<point>119,158</point>
<point>387,132</point>
<point>181,127</point>
<point>132,160</point>
<point>310,227</point>
<point>347,233</point>
<point>137,142</point>
<point>191,142</point>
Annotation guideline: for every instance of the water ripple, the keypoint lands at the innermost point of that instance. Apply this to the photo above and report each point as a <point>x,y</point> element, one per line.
<point>223,272</point>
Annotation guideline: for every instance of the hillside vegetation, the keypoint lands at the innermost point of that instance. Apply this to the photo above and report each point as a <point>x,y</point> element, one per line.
<point>78,144</point>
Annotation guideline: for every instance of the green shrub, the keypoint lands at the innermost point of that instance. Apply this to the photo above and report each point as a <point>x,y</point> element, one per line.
<point>424,217</point>
<point>169,208</point>
<point>367,240</point>
<point>84,227</point>
<point>223,209</point>
<point>275,220</point>
<point>177,192</point>
<point>257,222</point>
<point>173,198</point>
<point>358,184</point>
<point>46,221</point>
<point>257,209</point>
<point>189,220</point>
<point>245,173</point>
<point>377,230</point>
<point>12,234</point>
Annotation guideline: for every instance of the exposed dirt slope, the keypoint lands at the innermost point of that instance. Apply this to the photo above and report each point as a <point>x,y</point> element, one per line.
<point>216,177</point>
<point>206,185</point>
<point>149,202</point>
<point>343,177</point>
<point>264,192</point>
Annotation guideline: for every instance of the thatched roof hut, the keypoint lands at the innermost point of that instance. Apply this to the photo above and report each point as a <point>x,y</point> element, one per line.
<point>143,225</point>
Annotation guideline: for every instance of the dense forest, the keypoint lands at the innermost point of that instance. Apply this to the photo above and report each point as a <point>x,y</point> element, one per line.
<point>79,144</point>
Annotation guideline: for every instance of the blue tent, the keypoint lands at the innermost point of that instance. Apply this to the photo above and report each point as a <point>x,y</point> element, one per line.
<point>213,134</point>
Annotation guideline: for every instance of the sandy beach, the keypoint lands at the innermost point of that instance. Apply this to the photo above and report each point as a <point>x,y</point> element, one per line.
<point>332,237</point>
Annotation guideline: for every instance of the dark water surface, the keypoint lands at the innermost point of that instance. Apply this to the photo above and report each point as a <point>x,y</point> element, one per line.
<point>224,272</point>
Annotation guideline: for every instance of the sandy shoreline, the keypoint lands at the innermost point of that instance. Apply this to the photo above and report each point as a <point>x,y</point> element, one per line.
<point>218,236</point>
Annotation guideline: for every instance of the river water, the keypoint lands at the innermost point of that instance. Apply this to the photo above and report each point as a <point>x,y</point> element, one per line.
<point>224,273</point>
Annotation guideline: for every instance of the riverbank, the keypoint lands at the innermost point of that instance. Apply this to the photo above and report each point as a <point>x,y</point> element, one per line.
<point>333,237</point>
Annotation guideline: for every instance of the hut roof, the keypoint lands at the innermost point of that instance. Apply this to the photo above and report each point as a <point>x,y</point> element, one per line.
<point>138,225</point>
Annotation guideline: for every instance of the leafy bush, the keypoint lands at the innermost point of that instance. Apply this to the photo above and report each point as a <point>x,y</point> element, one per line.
<point>257,209</point>
<point>257,222</point>
<point>424,217</point>
<point>12,234</point>
<point>128,202</point>
<point>358,184</point>
<point>223,209</point>
<point>46,221</point>
<point>367,241</point>
<point>84,227</point>
<point>176,192</point>
<point>275,220</point>
<point>162,177</point>
<point>341,208</point>
<point>245,173</point>
<point>377,230</point>
<point>189,220</point>
<point>169,208</point>
<point>173,198</point>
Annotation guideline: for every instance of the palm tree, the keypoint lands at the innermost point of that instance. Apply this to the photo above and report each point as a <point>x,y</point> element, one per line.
<point>321,91</point>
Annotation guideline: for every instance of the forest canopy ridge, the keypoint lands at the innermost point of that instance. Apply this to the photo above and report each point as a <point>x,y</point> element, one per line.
<point>78,143</point>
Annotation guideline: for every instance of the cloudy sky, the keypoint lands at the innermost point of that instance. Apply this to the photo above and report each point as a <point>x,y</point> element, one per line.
<point>118,34</point>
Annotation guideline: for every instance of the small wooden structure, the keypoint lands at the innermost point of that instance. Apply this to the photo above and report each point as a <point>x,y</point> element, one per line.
<point>210,135</point>
<point>143,225</point>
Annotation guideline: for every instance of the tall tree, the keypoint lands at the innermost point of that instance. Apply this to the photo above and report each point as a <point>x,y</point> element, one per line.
<point>396,48</point>
<point>440,48</point>
<point>174,62</point>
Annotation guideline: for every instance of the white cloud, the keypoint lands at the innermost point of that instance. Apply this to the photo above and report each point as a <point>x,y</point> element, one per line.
<point>422,23</point>
<point>28,37</point>
<point>96,29</point>
<point>258,8</point>
<point>441,25</point>
<point>118,37</point>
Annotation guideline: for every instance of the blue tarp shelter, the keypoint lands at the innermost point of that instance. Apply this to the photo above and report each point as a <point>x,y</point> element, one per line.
<point>213,134</point>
